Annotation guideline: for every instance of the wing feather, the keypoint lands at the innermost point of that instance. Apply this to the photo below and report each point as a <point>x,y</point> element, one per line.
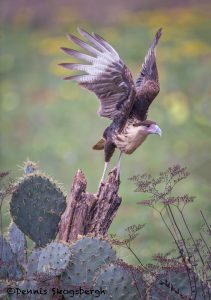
<point>149,68</point>
<point>83,45</point>
<point>105,44</point>
<point>106,75</point>
<point>147,83</point>
<point>91,39</point>
<point>78,54</point>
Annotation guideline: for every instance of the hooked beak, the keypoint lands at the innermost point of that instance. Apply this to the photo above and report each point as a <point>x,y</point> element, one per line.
<point>156,130</point>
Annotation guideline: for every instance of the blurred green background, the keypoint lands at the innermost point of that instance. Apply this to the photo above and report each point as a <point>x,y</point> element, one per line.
<point>55,123</point>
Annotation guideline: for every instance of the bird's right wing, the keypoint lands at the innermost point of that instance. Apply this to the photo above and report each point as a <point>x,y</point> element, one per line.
<point>106,75</point>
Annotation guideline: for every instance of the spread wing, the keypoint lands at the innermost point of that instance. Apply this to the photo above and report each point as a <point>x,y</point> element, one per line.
<point>106,74</point>
<point>147,83</point>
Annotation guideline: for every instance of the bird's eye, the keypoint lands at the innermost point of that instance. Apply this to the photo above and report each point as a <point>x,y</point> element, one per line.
<point>148,125</point>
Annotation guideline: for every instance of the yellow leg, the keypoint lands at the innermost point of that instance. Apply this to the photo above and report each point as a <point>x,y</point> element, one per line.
<point>118,165</point>
<point>103,176</point>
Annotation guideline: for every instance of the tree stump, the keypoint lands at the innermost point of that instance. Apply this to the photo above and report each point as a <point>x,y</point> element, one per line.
<point>89,213</point>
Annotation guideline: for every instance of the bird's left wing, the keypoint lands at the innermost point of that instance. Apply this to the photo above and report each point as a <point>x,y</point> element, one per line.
<point>147,83</point>
<point>106,74</point>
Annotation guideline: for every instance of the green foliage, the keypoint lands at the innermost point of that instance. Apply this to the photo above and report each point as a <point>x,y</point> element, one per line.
<point>36,206</point>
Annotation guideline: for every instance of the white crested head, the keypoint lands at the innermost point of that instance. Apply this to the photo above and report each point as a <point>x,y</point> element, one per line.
<point>150,127</point>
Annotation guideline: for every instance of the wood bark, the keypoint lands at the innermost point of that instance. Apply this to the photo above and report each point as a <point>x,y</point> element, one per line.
<point>89,213</point>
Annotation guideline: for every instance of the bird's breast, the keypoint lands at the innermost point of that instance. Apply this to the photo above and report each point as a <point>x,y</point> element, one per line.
<point>129,139</point>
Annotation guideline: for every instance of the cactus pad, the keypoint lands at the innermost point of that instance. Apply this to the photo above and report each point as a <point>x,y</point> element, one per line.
<point>32,265</point>
<point>175,285</point>
<point>3,290</point>
<point>88,255</point>
<point>36,207</point>
<point>120,282</point>
<point>9,268</point>
<point>53,259</point>
<point>17,242</point>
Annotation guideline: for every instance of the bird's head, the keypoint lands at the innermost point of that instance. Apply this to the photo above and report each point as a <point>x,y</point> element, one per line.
<point>149,127</point>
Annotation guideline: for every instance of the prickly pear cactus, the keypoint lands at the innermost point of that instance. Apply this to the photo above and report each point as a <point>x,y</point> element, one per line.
<point>121,282</point>
<point>175,285</point>
<point>164,287</point>
<point>88,263</point>
<point>53,259</point>
<point>32,264</point>
<point>9,268</point>
<point>36,207</point>
<point>3,290</point>
<point>30,167</point>
<point>88,255</point>
<point>17,242</point>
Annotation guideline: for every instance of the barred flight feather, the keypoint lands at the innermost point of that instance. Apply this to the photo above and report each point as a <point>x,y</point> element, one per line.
<point>110,79</point>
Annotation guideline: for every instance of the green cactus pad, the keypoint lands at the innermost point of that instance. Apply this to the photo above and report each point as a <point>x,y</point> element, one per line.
<point>36,207</point>
<point>160,290</point>
<point>120,282</point>
<point>32,265</point>
<point>3,289</point>
<point>88,255</point>
<point>174,285</point>
<point>9,268</point>
<point>53,259</point>
<point>17,242</point>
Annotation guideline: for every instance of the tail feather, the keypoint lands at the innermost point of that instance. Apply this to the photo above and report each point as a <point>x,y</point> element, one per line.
<point>100,144</point>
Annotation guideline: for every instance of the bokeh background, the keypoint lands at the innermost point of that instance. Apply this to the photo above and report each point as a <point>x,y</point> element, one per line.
<point>54,122</point>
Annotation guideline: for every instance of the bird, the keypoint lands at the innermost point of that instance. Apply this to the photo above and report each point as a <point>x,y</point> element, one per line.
<point>122,100</point>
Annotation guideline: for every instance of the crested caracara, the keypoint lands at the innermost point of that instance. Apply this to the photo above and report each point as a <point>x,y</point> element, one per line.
<point>122,100</point>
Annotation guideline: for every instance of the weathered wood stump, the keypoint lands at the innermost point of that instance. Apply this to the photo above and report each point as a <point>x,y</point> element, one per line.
<point>89,213</point>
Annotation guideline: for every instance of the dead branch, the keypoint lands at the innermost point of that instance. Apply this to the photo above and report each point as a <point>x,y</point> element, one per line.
<point>89,213</point>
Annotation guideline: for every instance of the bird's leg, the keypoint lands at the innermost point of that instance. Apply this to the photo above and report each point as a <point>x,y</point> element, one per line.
<point>118,165</point>
<point>109,149</point>
<point>103,176</point>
